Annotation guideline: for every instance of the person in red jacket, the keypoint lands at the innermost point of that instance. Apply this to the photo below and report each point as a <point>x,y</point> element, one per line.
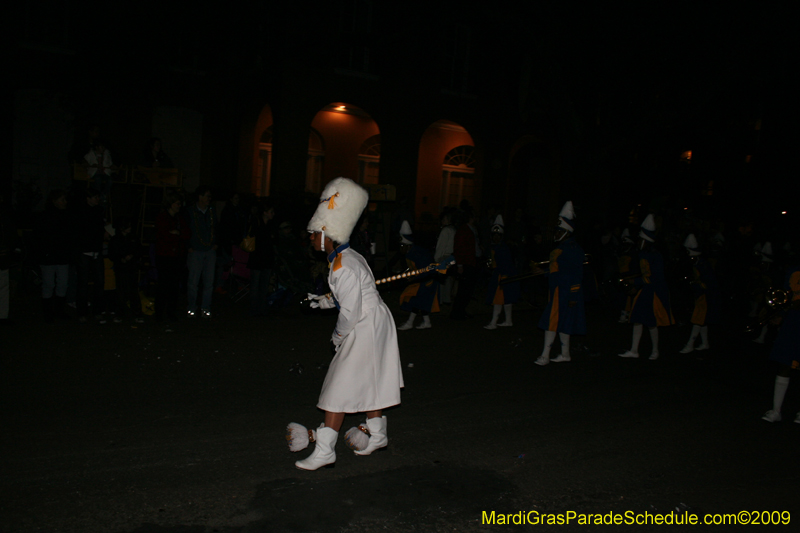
<point>172,233</point>
<point>465,252</point>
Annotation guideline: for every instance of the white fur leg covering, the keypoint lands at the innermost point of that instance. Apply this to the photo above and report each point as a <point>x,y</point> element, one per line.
<point>298,436</point>
<point>357,438</point>
<point>549,338</point>
<point>781,384</point>
<point>637,336</point>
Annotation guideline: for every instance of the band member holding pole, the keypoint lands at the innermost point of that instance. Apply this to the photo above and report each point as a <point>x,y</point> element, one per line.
<point>501,297</point>
<point>786,350</point>
<point>565,313</point>
<point>651,306</point>
<point>706,303</point>
<point>421,297</point>
<point>365,374</point>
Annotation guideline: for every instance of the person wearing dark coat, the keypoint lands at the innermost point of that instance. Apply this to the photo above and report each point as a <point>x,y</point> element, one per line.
<point>261,261</point>
<point>87,250</point>
<point>124,251</point>
<point>52,249</point>
<point>172,234</point>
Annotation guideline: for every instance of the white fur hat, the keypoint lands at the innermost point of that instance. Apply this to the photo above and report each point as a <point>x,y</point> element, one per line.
<point>566,218</point>
<point>340,206</point>
<point>691,244</point>
<point>406,233</point>
<point>647,231</point>
<point>498,226</point>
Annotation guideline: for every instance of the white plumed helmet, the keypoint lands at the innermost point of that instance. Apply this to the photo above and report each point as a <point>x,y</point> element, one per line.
<point>340,206</point>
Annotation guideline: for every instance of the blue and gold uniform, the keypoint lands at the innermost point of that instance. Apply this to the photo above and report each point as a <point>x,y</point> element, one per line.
<point>565,310</point>
<point>786,349</point>
<point>706,290</point>
<point>503,267</point>
<point>424,294</point>
<point>651,306</point>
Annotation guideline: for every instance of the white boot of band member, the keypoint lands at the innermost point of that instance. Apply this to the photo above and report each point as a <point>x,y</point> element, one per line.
<point>495,315</point>
<point>426,322</point>
<point>377,432</point>
<point>408,323</point>
<point>507,322</point>
<point>324,453</point>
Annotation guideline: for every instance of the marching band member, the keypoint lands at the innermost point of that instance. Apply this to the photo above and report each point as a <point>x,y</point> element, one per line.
<point>765,279</point>
<point>565,313</point>
<point>628,266</point>
<point>501,297</point>
<point>651,305</point>
<point>786,350</point>
<point>365,373</point>
<point>706,303</point>
<point>422,297</point>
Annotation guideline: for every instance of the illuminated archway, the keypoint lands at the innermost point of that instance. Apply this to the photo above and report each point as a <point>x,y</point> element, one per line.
<point>348,135</point>
<point>446,172</point>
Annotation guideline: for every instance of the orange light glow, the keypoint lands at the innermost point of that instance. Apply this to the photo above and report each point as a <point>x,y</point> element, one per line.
<point>687,156</point>
<point>341,108</point>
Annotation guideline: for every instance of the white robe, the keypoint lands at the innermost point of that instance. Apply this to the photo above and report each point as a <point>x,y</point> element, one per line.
<point>365,374</point>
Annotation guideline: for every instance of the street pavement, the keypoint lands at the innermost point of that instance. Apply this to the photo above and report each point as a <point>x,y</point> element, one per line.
<point>128,428</point>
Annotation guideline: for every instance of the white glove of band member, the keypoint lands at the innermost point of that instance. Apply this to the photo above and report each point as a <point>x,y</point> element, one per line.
<point>321,301</point>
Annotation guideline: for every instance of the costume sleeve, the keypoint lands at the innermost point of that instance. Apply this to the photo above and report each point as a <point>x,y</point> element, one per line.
<point>348,294</point>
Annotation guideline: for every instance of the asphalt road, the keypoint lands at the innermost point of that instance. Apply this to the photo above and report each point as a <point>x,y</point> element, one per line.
<point>125,429</point>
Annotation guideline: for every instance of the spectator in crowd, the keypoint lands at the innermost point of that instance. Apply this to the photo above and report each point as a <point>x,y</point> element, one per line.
<point>124,251</point>
<point>172,233</point>
<point>8,239</point>
<point>100,166</point>
<point>464,248</point>
<point>155,157</point>
<point>361,242</point>
<point>444,248</point>
<point>261,261</point>
<point>52,247</point>
<point>87,248</point>
<point>202,252</point>
<point>234,225</point>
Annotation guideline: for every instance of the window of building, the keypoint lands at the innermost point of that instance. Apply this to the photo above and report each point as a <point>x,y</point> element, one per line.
<point>316,158</point>
<point>369,160</point>
<point>458,178</point>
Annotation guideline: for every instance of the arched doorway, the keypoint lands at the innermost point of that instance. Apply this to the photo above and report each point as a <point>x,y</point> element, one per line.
<point>347,141</point>
<point>446,172</point>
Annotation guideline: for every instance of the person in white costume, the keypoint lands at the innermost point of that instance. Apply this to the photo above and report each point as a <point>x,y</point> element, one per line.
<point>365,374</point>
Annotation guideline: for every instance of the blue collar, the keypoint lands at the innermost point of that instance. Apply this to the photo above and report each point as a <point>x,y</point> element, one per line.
<point>337,251</point>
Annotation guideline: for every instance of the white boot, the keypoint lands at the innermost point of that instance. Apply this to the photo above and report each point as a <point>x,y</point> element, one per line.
<point>633,353</point>
<point>507,322</point>
<point>377,436</point>
<point>408,323</point>
<point>495,316</point>
<point>692,337</point>
<point>324,453</point>
<point>564,357</point>
<point>703,339</point>
<point>426,322</point>
<point>544,359</point>
<point>654,338</point>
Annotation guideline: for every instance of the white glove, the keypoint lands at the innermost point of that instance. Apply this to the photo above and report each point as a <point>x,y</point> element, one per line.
<point>322,301</point>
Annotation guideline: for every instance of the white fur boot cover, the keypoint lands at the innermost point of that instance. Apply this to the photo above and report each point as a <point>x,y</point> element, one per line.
<point>298,437</point>
<point>377,436</point>
<point>357,438</point>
